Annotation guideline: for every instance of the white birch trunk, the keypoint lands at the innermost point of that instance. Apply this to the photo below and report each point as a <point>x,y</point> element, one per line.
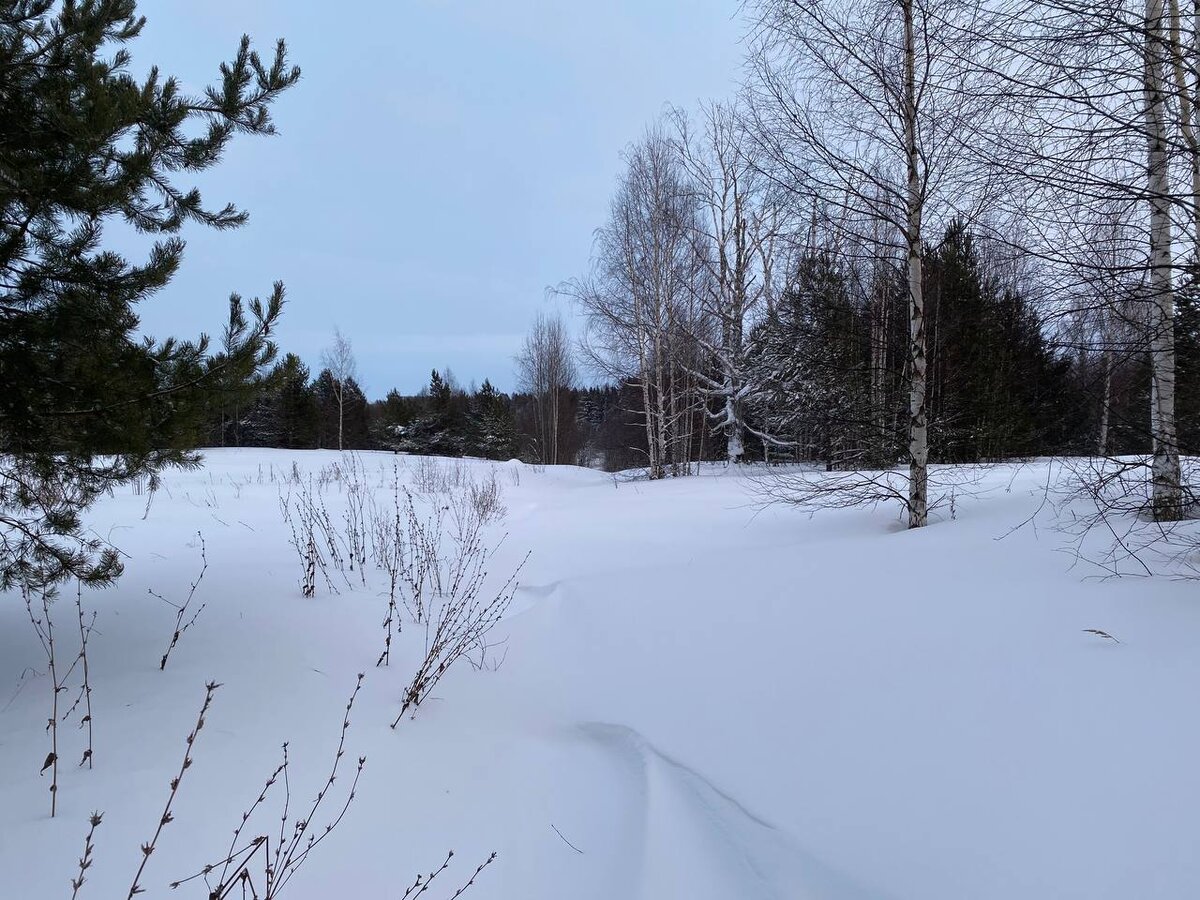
<point>918,427</point>
<point>1167,497</point>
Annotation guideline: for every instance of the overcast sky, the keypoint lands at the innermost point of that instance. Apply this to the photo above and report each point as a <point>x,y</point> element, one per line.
<point>439,166</point>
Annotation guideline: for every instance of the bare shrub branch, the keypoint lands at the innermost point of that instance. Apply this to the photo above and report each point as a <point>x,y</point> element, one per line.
<point>167,817</point>
<point>181,609</point>
<point>296,837</point>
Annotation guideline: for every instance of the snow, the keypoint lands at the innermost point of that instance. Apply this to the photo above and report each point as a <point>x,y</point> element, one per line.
<point>698,698</point>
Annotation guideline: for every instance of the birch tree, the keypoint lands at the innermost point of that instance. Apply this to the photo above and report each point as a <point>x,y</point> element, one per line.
<point>737,231</point>
<point>860,106</point>
<point>546,369</point>
<point>1166,477</point>
<point>1100,105</point>
<point>639,300</point>
<point>339,360</point>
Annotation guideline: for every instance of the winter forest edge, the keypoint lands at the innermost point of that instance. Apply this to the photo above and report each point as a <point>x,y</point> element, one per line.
<point>924,290</point>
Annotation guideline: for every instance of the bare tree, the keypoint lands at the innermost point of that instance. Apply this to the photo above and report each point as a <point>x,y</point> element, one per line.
<point>339,360</point>
<point>1099,106</point>
<point>860,109</point>
<point>735,239</point>
<point>546,369</point>
<point>640,301</point>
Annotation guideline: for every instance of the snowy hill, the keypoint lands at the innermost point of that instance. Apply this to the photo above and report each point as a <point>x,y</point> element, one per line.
<point>687,697</point>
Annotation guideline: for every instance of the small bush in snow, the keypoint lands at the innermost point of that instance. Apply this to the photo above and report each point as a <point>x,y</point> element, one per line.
<point>181,609</point>
<point>167,816</point>
<point>263,869</point>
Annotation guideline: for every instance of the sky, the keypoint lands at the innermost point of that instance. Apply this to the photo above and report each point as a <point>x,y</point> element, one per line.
<point>439,167</point>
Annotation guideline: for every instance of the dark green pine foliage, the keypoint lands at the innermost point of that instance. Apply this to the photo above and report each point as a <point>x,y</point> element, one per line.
<point>295,404</point>
<point>87,405</point>
<point>285,413</point>
<point>811,365</point>
<point>492,430</point>
<point>440,429</point>
<point>995,388</point>
<point>1187,368</point>
<point>390,419</point>
<point>356,432</point>
<point>235,392</point>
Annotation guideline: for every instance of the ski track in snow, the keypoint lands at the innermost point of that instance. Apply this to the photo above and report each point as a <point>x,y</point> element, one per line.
<point>682,816</point>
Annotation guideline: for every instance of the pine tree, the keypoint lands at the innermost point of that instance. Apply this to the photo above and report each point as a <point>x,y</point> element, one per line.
<point>440,429</point>
<point>86,405</point>
<point>342,413</point>
<point>286,413</point>
<point>810,370</point>
<point>994,384</point>
<point>491,426</point>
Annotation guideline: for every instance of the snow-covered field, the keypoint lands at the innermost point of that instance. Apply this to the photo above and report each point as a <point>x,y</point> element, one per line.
<point>705,699</point>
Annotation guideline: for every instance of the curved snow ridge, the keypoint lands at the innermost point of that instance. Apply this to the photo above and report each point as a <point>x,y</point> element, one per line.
<point>528,597</point>
<point>541,590</point>
<point>700,841</point>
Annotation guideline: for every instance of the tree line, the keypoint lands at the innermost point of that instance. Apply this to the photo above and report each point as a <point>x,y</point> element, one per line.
<point>285,406</point>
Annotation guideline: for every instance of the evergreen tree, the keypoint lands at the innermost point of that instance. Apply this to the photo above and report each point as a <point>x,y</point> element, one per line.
<point>236,394</point>
<point>391,418</point>
<point>286,414</point>
<point>617,437</point>
<point>86,405</point>
<point>341,414</point>
<point>492,429</point>
<point>440,428</point>
<point>1187,368</point>
<point>995,387</point>
<point>810,367</point>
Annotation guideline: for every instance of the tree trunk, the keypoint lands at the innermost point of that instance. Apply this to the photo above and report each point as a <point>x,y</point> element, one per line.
<point>1167,495</point>
<point>735,443</point>
<point>1181,61</point>
<point>1102,445</point>
<point>918,427</point>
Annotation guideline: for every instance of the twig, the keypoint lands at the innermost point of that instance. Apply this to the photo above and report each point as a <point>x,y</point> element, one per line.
<point>44,628</point>
<point>483,865</point>
<point>565,841</point>
<point>420,886</point>
<point>85,632</point>
<point>296,838</point>
<point>85,861</point>
<point>166,817</point>
<point>181,610</point>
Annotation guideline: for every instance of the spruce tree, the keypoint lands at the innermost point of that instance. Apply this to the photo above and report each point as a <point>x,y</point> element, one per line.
<point>87,404</point>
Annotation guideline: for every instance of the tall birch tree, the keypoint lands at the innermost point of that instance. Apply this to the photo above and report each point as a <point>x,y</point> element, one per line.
<point>546,370</point>
<point>860,107</point>
<point>343,367</point>
<point>737,232</point>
